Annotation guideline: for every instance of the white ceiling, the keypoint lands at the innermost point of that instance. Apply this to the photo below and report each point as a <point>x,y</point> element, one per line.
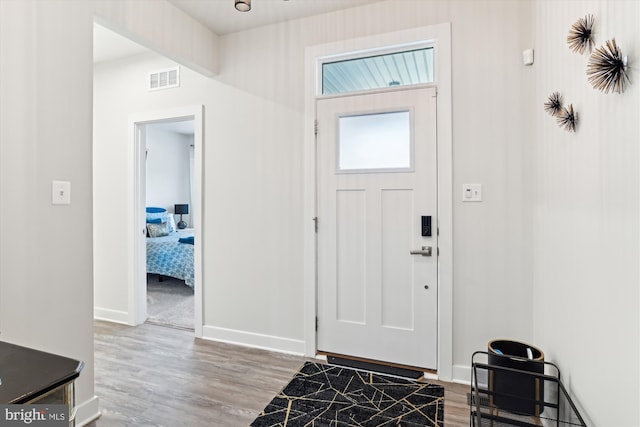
<point>222,17</point>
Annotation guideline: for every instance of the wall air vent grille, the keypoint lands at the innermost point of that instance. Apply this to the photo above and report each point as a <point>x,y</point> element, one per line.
<point>164,79</point>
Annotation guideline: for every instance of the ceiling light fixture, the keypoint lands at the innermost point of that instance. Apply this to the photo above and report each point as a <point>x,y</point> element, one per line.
<point>243,5</point>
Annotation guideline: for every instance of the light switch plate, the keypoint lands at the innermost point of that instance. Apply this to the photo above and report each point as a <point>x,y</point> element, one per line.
<point>471,192</point>
<point>61,193</point>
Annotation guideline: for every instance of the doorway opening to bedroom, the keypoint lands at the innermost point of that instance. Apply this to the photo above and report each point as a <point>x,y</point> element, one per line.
<point>169,177</point>
<point>166,286</point>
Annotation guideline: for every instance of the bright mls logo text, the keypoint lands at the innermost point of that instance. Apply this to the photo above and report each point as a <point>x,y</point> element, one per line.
<point>33,414</point>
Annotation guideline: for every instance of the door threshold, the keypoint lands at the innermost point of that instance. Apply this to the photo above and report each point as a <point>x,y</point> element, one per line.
<point>385,368</point>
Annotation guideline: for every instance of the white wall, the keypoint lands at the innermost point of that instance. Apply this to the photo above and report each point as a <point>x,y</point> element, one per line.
<point>586,181</point>
<point>251,197</point>
<point>46,274</point>
<point>513,277</point>
<point>45,134</point>
<point>587,245</point>
<point>167,168</point>
<point>253,158</point>
<point>491,140</point>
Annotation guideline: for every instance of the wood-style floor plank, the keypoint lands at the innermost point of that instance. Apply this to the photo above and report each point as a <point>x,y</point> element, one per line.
<point>152,375</point>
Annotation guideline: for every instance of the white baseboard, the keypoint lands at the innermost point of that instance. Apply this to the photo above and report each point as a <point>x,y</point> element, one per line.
<point>250,339</point>
<point>110,315</point>
<point>87,411</point>
<point>461,374</point>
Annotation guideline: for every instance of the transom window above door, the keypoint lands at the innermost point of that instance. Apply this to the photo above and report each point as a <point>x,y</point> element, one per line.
<point>385,70</point>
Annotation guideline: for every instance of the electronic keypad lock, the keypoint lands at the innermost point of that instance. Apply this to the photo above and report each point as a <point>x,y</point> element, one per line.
<point>426,226</point>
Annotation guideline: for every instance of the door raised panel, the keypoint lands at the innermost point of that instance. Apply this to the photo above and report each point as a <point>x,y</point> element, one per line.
<point>351,292</point>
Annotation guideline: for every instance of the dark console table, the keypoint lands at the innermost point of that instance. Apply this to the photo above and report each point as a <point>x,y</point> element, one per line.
<point>33,376</point>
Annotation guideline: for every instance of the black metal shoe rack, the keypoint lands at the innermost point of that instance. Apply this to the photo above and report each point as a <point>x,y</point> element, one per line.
<point>515,391</point>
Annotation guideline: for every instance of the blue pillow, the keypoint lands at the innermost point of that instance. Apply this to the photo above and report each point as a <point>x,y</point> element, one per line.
<point>154,220</point>
<point>187,240</point>
<point>151,209</point>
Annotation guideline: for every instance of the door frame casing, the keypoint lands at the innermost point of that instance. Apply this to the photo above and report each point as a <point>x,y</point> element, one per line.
<point>440,35</point>
<point>137,294</point>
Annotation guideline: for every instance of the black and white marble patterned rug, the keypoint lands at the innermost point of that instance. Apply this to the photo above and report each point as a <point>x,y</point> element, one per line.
<point>324,395</point>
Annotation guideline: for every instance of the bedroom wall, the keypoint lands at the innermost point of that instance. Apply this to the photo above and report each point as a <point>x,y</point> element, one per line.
<point>167,169</point>
<point>587,242</point>
<point>253,168</point>
<point>45,134</point>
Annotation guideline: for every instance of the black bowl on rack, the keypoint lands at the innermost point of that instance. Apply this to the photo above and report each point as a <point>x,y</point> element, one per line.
<point>520,388</point>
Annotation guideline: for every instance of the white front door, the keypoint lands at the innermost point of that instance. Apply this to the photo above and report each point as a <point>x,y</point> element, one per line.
<point>377,179</point>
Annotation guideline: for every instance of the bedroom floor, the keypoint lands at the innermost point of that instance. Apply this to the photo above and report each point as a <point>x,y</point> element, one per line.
<point>169,302</point>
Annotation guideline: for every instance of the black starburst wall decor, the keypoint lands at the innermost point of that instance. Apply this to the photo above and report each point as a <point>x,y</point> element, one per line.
<point>567,118</point>
<point>580,36</point>
<point>606,69</point>
<point>553,104</point>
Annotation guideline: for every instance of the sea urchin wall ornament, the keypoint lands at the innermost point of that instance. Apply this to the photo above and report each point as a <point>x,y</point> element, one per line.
<point>568,119</point>
<point>580,36</point>
<point>606,68</point>
<point>553,105</point>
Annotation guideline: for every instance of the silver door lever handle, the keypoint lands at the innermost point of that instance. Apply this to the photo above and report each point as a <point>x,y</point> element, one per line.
<point>425,251</point>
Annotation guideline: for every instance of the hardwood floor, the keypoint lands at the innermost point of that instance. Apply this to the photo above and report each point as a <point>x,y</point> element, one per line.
<point>151,375</point>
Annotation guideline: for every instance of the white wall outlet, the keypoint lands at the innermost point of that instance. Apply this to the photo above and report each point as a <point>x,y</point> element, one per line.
<point>61,193</point>
<point>471,192</point>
